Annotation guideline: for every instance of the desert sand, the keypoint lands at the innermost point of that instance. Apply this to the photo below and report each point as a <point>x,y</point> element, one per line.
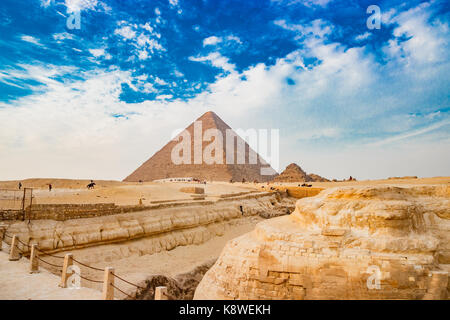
<point>171,253</point>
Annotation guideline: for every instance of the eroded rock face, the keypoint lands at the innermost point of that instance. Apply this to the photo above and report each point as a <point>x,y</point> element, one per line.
<point>347,243</point>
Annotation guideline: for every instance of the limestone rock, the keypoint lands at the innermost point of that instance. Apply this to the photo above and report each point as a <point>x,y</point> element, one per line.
<point>345,243</point>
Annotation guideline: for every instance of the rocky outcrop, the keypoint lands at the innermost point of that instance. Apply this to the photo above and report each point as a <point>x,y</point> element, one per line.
<point>346,243</point>
<point>293,173</point>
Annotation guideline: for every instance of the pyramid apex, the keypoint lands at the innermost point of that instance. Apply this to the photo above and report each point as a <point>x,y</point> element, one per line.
<point>210,112</point>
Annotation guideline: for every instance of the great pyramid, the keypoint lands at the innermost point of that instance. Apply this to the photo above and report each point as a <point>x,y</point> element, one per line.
<point>161,166</point>
<point>294,173</point>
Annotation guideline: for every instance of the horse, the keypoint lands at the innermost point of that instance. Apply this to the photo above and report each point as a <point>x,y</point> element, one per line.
<point>91,185</point>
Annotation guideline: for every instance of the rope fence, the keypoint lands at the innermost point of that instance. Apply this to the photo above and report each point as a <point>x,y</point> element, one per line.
<point>35,255</point>
<point>49,263</point>
<point>121,291</point>
<point>87,266</point>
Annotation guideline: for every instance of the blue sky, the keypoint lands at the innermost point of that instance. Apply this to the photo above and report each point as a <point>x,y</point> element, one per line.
<point>99,100</point>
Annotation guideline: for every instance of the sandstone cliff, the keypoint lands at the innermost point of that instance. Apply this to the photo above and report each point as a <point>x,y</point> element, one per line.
<point>348,243</point>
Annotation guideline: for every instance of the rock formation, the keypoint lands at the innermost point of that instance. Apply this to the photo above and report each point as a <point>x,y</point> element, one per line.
<point>294,173</point>
<point>152,230</point>
<point>345,243</point>
<point>161,166</point>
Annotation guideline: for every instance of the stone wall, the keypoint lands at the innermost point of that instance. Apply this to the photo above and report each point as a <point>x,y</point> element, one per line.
<point>196,190</point>
<point>61,212</point>
<point>301,192</point>
<point>170,225</point>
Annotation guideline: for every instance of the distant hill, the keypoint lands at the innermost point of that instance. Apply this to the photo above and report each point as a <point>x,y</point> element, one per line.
<point>294,173</point>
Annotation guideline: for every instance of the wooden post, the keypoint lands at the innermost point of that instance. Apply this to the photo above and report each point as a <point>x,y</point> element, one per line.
<point>108,282</point>
<point>34,262</point>
<point>161,293</point>
<point>2,234</point>
<point>14,251</point>
<point>68,261</point>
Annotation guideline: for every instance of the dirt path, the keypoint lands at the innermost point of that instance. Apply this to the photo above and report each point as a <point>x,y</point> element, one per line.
<point>16,283</point>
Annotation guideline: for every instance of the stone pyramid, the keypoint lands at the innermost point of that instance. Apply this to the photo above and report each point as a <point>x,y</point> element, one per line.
<point>161,166</point>
<point>294,173</point>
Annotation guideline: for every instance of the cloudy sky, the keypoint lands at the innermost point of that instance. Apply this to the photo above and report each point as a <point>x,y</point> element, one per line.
<point>96,102</point>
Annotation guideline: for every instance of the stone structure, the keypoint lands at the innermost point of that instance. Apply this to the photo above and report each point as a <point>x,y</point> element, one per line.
<point>164,226</point>
<point>160,165</point>
<point>61,212</point>
<point>196,190</point>
<point>293,173</point>
<point>349,243</point>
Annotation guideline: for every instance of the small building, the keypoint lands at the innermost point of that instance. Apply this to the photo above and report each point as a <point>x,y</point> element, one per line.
<point>179,179</point>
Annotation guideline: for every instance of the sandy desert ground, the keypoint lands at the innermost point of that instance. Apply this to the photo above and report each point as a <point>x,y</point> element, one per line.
<point>178,260</point>
<point>127,193</point>
<point>121,193</point>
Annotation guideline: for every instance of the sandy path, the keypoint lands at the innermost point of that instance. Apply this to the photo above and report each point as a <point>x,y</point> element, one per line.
<point>16,283</point>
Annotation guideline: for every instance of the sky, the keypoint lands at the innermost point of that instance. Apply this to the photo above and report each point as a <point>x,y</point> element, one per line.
<point>96,101</point>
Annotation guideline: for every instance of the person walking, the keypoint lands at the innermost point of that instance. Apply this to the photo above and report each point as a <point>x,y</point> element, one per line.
<point>20,185</point>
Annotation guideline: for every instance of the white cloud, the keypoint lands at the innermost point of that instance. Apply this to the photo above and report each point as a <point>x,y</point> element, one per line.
<point>147,27</point>
<point>127,32</point>
<point>63,36</point>
<point>318,28</point>
<point>31,39</point>
<point>143,55</point>
<point>363,36</point>
<point>211,40</point>
<point>80,5</point>
<point>164,97</point>
<point>217,60</point>
<point>146,43</point>
<point>413,133</point>
<point>427,41</point>
<point>97,52</point>
<point>178,74</point>
<point>160,81</point>
<point>234,38</point>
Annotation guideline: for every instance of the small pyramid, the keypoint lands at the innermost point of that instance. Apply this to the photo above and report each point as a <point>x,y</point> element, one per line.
<point>161,166</point>
<point>293,173</point>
